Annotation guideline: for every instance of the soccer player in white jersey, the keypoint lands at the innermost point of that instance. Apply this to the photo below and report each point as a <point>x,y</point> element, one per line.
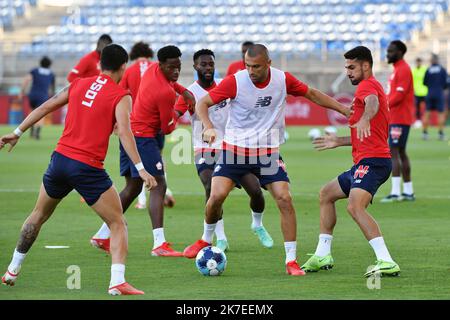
<point>253,133</point>
<point>207,155</point>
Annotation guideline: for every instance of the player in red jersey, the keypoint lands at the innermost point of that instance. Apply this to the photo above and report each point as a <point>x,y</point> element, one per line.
<point>401,106</point>
<point>253,134</point>
<point>153,113</point>
<point>142,53</point>
<point>240,64</point>
<point>372,167</point>
<point>89,65</point>
<point>77,162</point>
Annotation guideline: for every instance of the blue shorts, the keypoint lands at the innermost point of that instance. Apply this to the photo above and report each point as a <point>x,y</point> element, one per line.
<point>206,160</point>
<point>398,135</point>
<point>267,168</point>
<point>64,174</point>
<point>160,139</point>
<point>150,155</point>
<point>369,174</point>
<point>435,103</point>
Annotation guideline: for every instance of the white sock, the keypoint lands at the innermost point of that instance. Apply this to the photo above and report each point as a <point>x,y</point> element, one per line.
<point>220,230</point>
<point>142,197</point>
<point>324,245</point>
<point>408,188</point>
<point>103,232</point>
<point>117,274</point>
<point>291,250</point>
<point>380,249</point>
<point>396,181</point>
<point>16,262</point>
<point>208,231</point>
<point>257,219</point>
<point>158,237</point>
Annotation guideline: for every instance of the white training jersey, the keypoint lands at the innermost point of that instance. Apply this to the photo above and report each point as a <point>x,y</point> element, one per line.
<point>256,117</point>
<point>218,114</point>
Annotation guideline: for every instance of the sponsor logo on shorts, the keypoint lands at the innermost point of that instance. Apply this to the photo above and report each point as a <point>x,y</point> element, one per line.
<point>396,133</point>
<point>281,164</point>
<point>159,166</point>
<point>201,161</point>
<point>361,172</point>
<point>217,168</point>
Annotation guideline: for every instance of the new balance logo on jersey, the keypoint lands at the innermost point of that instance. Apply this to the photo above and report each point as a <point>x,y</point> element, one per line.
<point>361,172</point>
<point>93,91</point>
<point>263,102</point>
<point>220,105</point>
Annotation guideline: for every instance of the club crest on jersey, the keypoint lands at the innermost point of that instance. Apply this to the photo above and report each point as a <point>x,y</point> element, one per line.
<point>361,172</point>
<point>159,166</point>
<point>263,102</point>
<point>396,133</point>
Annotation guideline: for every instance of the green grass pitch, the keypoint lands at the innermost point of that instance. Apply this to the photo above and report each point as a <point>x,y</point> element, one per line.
<point>417,234</point>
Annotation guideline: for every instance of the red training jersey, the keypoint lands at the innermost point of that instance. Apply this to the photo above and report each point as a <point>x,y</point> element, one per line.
<point>376,145</point>
<point>90,119</point>
<point>235,67</point>
<point>153,110</point>
<point>401,94</point>
<point>88,66</point>
<point>132,77</point>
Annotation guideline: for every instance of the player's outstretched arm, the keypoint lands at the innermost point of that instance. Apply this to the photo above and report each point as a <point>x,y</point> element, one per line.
<point>209,133</point>
<point>52,104</point>
<point>326,101</point>
<point>123,110</point>
<point>370,110</point>
<point>331,141</point>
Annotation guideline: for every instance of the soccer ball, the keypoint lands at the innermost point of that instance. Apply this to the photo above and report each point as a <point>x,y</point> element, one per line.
<point>314,133</point>
<point>211,261</point>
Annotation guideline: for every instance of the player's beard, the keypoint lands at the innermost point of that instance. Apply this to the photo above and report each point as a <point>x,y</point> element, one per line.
<point>205,80</point>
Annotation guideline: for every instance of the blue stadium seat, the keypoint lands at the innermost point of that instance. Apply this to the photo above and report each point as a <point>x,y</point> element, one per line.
<point>298,26</point>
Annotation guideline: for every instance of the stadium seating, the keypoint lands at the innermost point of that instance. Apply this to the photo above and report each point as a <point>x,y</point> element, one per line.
<point>302,27</point>
<point>9,9</point>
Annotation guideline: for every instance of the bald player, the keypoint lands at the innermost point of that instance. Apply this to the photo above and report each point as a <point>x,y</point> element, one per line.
<point>253,134</point>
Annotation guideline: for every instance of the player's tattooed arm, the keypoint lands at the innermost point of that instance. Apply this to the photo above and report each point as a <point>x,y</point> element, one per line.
<point>28,235</point>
